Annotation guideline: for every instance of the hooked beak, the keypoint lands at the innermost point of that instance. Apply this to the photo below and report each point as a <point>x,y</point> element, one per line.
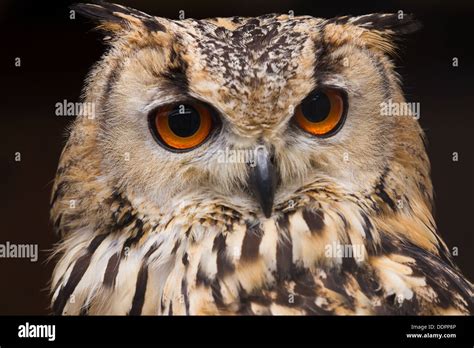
<point>262,179</point>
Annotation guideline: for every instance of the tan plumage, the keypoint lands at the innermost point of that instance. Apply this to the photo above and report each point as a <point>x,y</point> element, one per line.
<point>157,232</point>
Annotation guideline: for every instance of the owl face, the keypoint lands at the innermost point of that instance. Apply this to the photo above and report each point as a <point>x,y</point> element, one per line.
<point>246,112</point>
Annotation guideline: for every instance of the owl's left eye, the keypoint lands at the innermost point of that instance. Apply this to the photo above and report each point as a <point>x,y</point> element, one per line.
<point>322,112</point>
<point>182,127</point>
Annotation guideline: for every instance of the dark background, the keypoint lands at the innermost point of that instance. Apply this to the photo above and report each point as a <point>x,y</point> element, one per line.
<point>57,52</point>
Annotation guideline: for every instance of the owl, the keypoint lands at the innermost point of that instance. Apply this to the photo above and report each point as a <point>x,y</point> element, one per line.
<point>243,166</point>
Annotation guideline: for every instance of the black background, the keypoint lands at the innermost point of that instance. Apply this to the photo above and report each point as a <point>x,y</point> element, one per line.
<point>57,52</point>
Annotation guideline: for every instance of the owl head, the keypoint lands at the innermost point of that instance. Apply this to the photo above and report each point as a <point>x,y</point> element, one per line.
<point>250,114</point>
<point>222,157</point>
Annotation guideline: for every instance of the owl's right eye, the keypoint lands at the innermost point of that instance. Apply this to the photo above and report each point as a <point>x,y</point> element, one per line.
<point>322,112</point>
<point>182,127</point>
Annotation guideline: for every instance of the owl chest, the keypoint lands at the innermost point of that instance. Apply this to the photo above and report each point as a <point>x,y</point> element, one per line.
<point>249,269</point>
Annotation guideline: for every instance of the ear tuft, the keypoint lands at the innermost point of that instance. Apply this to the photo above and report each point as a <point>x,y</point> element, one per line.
<point>388,23</point>
<point>398,24</point>
<point>375,31</point>
<point>113,16</point>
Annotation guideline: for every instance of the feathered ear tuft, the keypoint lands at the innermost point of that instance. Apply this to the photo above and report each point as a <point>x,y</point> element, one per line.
<point>114,17</point>
<point>391,23</point>
<point>375,31</point>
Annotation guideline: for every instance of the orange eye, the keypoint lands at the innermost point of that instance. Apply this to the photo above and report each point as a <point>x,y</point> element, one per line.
<point>321,113</point>
<point>183,126</point>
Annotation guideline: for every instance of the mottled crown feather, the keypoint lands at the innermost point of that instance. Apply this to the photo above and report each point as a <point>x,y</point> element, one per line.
<point>377,31</point>
<point>104,12</point>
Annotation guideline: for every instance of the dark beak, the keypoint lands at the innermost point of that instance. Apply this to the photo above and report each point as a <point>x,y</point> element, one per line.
<point>263,179</point>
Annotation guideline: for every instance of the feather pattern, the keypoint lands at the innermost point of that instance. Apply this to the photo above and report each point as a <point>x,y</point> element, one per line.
<point>282,265</point>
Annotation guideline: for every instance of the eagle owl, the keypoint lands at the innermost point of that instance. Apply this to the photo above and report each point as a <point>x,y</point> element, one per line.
<point>329,212</point>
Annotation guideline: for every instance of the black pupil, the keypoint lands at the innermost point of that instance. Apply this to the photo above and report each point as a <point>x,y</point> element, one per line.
<point>184,120</point>
<point>316,107</point>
